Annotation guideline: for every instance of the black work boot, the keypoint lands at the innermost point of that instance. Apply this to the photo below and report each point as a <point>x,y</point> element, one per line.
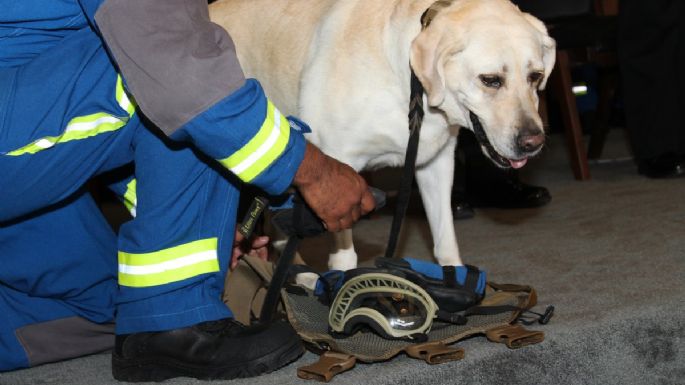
<point>222,349</point>
<point>485,185</point>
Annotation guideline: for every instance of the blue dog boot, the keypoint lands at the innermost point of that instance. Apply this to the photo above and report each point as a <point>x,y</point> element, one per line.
<point>467,276</point>
<point>453,288</point>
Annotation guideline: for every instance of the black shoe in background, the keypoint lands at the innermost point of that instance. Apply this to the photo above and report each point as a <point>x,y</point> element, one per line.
<point>667,165</point>
<point>461,209</point>
<point>507,192</point>
<point>222,349</point>
<point>479,183</point>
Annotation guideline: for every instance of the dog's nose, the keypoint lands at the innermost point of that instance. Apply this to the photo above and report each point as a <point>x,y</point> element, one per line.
<point>530,140</point>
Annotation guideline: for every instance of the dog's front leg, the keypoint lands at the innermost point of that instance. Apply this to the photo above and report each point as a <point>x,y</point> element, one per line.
<point>435,183</point>
<point>343,256</point>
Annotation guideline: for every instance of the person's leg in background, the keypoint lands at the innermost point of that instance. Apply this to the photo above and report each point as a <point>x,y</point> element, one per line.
<point>652,56</point>
<point>479,183</point>
<point>57,285</point>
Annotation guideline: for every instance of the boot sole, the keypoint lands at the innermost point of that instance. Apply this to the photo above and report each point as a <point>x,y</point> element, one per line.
<point>137,370</point>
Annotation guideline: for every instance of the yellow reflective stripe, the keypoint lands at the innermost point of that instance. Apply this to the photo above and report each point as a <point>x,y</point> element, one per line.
<point>78,128</point>
<point>266,128</point>
<point>261,151</point>
<point>168,265</point>
<point>82,127</point>
<point>130,198</point>
<point>122,98</point>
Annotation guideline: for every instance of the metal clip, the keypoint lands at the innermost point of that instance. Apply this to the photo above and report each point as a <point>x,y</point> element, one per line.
<point>434,352</point>
<point>515,336</point>
<point>329,365</point>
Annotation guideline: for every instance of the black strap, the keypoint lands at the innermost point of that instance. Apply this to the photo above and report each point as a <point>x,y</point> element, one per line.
<point>416,114</point>
<point>542,318</point>
<point>453,318</point>
<point>294,270</point>
<point>472,277</point>
<point>449,276</point>
<point>283,267</point>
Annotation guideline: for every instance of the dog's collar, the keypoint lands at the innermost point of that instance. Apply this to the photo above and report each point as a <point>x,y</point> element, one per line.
<point>433,10</point>
<point>416,94</point>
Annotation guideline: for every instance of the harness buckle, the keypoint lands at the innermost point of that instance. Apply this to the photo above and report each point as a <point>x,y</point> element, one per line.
<point>329,365</point>
<point>515,336</point>
<point>434,352</point>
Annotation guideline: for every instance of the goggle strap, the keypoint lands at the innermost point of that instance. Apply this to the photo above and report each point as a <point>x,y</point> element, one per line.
<point>453,318</point>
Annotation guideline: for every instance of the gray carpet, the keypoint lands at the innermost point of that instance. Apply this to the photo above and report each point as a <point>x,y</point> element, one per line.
<point>608,253</point>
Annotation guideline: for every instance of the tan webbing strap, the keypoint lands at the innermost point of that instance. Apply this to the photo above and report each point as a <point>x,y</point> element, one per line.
<point>245,287</point>
<point>434,352</point>
<point>329,365</point>
<point>511,288</point>
<point>515,336</point>
<point>242,284</point>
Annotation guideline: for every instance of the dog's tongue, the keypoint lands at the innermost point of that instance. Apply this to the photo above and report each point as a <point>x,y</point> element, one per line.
<point>518,163</point>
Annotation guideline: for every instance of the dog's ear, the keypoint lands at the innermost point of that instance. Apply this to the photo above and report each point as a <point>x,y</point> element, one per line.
<point>427,58</point>
<point>549,53</point>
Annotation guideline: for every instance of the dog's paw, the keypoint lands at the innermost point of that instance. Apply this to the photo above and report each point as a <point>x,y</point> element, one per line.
<point>307,280</point>
<point>343,260</point>
<point>449,261</point>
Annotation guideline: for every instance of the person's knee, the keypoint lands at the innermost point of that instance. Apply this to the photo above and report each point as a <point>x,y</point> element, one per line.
<point>52,341</point>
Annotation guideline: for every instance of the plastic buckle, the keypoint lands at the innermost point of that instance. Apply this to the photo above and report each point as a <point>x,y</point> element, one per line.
<point>515,336</point>
<point>329,365</point>
<point>434,352</point>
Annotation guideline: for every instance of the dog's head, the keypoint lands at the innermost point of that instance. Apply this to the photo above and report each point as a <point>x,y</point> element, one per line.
<point>482,62</point>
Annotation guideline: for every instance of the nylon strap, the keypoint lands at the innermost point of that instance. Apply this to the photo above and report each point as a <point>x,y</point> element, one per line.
<point>416,114</point>
<point>472,277</point>
<point>433,10</point>
<point>273,294</point>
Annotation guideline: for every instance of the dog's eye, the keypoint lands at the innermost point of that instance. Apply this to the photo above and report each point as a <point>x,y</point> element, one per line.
<point>491,81</point>
<point>534,77</point>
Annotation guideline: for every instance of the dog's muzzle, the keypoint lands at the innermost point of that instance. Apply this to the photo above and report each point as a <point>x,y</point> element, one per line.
<point>485,142</point>
<point>528,143</point>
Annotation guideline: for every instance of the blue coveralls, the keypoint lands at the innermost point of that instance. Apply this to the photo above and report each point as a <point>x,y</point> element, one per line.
<point>64,117</point>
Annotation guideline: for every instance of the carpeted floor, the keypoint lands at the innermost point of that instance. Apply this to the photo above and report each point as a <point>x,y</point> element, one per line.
<point>608,253</point>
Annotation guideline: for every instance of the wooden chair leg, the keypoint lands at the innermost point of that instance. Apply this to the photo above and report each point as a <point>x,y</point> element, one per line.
<point>608,79</point>
<point>542,109</point>
<point>562,84</point>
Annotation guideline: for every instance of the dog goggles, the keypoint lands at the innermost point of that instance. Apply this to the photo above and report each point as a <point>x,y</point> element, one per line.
<point>390,305</point>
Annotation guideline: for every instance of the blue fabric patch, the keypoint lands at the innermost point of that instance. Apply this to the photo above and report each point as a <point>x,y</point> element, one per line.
<point>241,115</point>
<point>332,279</point>
<point>299,125</point>
<point>434,270</point>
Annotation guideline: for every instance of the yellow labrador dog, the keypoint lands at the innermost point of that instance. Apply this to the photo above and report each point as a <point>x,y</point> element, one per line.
<point>344,67</point>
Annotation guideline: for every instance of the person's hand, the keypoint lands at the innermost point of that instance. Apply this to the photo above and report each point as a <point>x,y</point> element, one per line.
<point>335,192</point>
<point>255,246</point>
